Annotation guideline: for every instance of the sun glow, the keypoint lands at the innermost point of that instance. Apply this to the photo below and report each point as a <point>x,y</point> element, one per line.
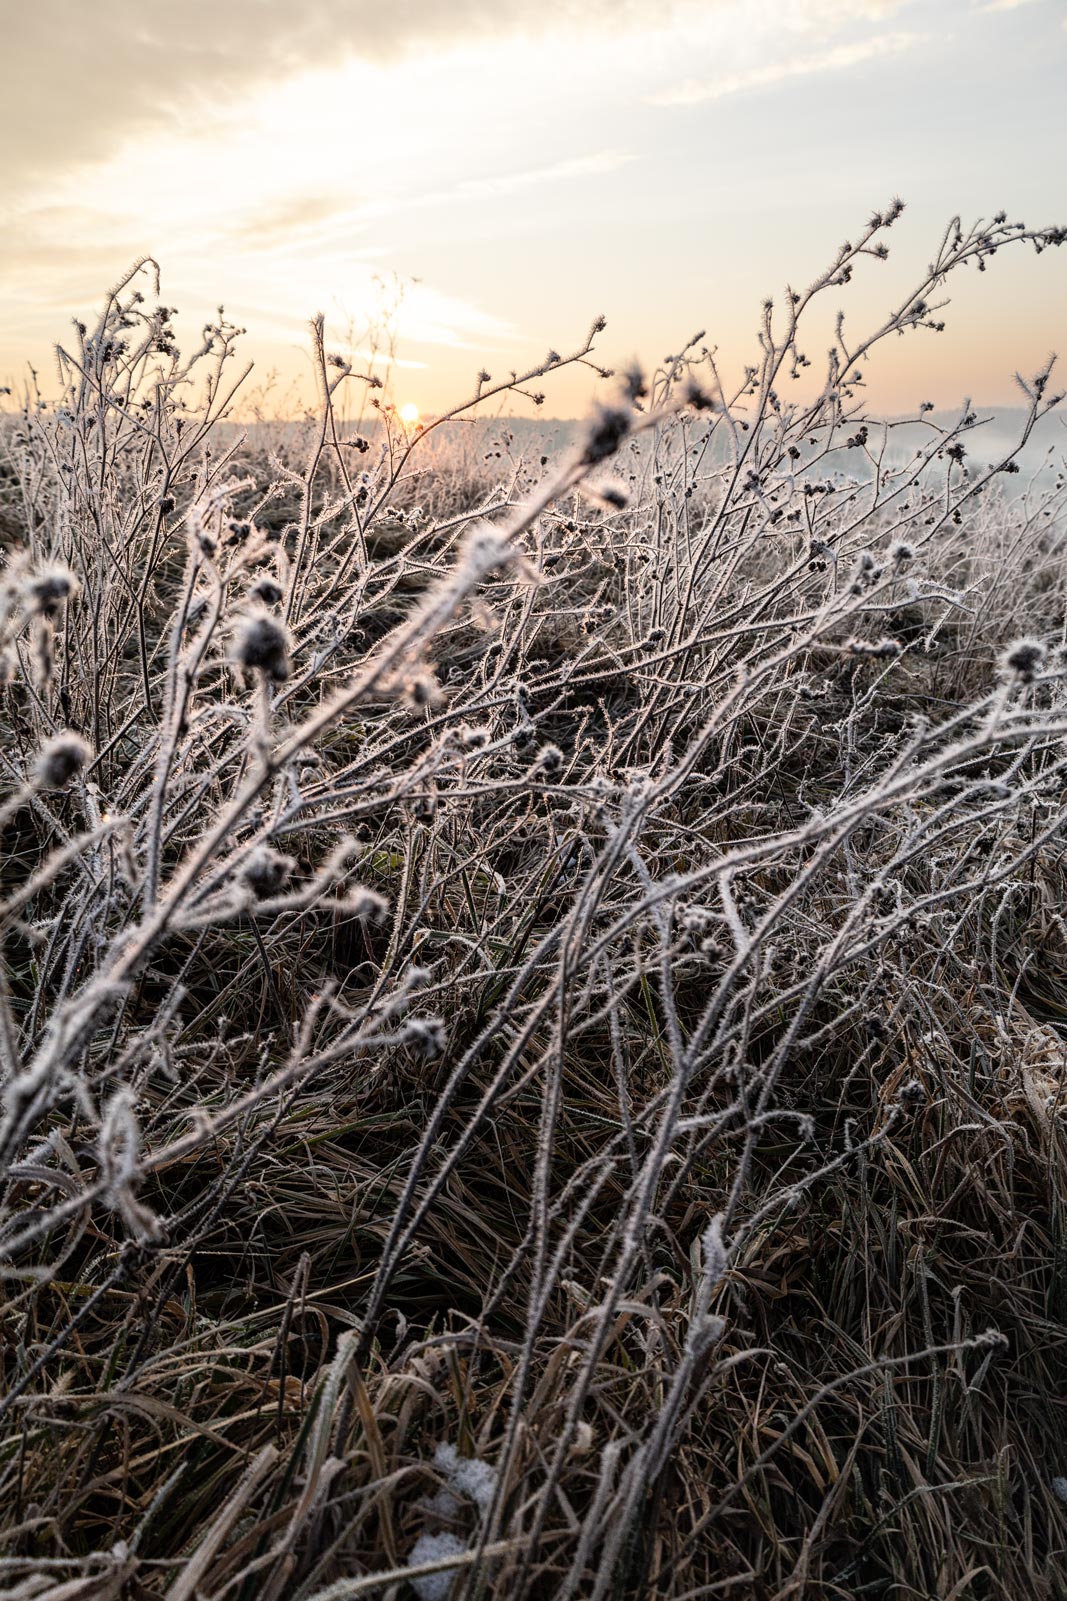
<point>409,414</point>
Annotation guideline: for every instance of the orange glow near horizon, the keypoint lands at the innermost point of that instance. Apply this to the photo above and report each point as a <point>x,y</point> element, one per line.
<point>695,161</point>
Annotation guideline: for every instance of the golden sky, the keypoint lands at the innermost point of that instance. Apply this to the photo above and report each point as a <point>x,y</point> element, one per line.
<point>523,167</point>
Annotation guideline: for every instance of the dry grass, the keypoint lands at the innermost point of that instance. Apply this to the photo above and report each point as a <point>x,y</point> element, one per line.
<point>559,978</point>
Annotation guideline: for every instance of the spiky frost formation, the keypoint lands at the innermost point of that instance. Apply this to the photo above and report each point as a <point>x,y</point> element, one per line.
<point>483,550</point>
<point>706,913</point>
<point>425,1035</point>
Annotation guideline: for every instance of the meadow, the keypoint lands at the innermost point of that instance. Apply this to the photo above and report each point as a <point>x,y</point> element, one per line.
<point>534,985</point>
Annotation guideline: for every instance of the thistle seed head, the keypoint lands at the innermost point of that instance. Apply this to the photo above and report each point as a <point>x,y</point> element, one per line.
<point>1023,659</point>
<point>267,871</point>
<point>60,759</point>
<point>267,591</point>
<point>263,643</point>
<point>49,589</point>
<point>607,431</point>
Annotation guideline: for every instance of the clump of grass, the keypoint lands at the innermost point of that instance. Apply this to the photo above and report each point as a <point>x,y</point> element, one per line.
<point>531,1019</point>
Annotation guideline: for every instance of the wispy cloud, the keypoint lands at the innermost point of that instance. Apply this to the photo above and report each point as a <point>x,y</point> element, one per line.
<point>693,91</point>
<point>591,166</point>
<point>325,222</point>
<point>1005,5</point>
<point>381,358</point>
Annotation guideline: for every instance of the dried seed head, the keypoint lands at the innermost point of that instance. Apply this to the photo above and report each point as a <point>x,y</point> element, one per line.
<point>612,494</point>
<point>61,759</point>
<point>607,431</point>
<point>697,397</point>
<point>48,590</point>
<point>262,643</point>
<point>1023,659</point>
<point>421,688</point>
<point>267,871</point>
<point>634,381</point>
<point>267,591</point>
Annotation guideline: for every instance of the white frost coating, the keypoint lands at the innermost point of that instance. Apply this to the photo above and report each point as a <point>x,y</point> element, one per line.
<point>463,1476</point>
<point>430,1548</point>
<point>443,1502</point>
<point>714,1250</point>
<point>467,1476</point>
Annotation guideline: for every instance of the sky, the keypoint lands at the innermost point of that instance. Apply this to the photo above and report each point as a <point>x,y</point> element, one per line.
<point>517,167</point>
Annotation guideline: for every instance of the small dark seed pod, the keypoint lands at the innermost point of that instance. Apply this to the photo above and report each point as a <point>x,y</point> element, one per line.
<point>267,591</point>
<point>1024,659</point>
<point>266,872</point>
<point>48,590</point>
<point>61,759</point>
<point>609,428</point>
<point>263,643</point>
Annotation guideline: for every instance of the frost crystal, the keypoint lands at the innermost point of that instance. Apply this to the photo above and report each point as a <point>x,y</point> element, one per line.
<point>430,1548</point>
<point>466,1475</point>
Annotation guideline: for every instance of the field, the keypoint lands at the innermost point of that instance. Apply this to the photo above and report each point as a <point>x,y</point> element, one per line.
<point>534,1000</point>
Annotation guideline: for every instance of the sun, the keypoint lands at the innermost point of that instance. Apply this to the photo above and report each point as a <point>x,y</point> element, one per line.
<point>409,414</point>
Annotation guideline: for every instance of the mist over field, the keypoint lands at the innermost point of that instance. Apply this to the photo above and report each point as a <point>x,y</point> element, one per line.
<point>533,972</point>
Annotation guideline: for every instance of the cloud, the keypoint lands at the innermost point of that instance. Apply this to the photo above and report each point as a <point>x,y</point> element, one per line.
<point>694,92</point>
<point>282,223</point>
<point>330,220</point>
<point>381,358</point>
<point>81,78</point>
<point>590,166</point>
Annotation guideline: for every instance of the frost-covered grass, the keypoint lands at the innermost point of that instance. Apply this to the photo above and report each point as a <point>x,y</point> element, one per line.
<point>533,1007</point>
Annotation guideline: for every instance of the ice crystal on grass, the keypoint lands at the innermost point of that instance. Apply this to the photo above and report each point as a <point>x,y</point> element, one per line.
<point>431,1548</point>
<point>466,1476</point>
